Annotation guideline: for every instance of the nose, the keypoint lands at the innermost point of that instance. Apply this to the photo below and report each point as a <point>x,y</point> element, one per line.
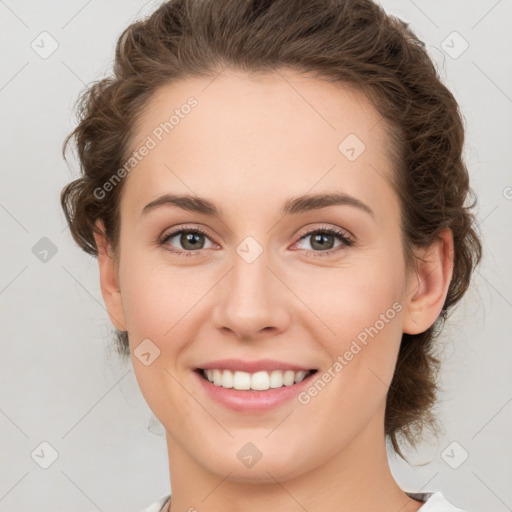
<point>251,301</point>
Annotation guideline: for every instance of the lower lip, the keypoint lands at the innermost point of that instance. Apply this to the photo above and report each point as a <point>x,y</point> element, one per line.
<point>252,400</point>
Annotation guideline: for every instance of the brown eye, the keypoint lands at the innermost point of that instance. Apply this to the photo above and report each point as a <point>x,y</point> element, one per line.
<point>323,241</point>
<point>186,240</point>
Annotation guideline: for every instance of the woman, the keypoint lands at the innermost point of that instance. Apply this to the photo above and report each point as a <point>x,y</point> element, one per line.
<point>275,193</point>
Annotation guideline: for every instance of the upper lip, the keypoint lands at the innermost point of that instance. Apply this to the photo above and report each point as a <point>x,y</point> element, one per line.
<point>252,366</point>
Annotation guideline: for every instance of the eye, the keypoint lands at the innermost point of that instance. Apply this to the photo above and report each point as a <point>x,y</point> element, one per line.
<point>323,239</point>
<point>191,240</point>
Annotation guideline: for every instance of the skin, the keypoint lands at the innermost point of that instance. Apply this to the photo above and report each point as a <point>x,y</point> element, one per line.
<point>253,142</point>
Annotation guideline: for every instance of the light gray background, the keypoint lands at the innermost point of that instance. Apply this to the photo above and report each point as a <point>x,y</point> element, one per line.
<point>61,383</point>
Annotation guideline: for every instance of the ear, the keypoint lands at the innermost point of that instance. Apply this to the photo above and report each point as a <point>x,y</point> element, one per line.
<point>428,286</point>
<point>109,278</point>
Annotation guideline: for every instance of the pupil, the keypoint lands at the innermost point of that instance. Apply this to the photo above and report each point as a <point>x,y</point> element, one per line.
<point>190,238</point>
<point>320,239</point>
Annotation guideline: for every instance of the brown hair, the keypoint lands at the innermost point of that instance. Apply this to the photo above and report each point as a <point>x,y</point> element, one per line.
<point>351,42</point>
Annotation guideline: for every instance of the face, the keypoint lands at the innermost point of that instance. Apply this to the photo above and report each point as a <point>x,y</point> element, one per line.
<point>319,285</point>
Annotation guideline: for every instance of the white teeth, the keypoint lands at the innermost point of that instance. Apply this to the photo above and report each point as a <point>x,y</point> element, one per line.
<point>259,381</point>
<point>241,380</point>
<point>227,380</point>
<point>300,376</point>
<point>217,377</point>
<point>276,379</point>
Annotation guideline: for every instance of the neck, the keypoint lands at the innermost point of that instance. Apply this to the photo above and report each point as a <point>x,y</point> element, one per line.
<point>357,478</point>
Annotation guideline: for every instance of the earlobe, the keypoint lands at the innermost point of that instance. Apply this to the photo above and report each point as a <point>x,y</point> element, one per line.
<point>110,288</point>
<point>428,286</point>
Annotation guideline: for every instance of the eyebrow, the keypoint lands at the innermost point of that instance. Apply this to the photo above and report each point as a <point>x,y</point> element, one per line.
<point>292,206</point>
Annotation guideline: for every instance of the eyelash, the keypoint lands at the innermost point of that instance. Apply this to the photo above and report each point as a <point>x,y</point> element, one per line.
<point>341,235</point>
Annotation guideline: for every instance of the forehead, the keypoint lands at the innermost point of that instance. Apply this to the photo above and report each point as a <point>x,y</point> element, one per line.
<point>256,137</point>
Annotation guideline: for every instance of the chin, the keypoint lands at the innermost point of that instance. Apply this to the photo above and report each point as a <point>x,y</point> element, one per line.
<point>268,469</point>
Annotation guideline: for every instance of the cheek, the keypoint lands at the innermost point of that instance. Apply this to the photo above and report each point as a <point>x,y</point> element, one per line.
<point>360,311</point>
<point>152,302</point>
<point>157,304</point>
<point>353,297</point>
<point>144,305</point>
<point>159,300</point>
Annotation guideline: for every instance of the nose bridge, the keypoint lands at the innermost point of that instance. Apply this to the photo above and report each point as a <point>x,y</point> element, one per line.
<point>250,276</point>
<point>250,300</point>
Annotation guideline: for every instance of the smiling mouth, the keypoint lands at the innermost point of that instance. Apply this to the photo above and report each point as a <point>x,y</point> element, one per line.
<point>257,381</point>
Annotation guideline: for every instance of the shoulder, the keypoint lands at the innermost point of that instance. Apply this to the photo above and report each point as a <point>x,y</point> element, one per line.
<point>157,505</point>
<point>433,502</point>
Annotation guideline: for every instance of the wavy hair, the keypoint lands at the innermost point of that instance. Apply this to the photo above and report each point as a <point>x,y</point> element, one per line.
<point>351,42</point>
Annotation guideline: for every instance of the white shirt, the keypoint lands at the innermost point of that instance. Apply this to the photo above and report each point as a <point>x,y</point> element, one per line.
<point>433,502</point>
